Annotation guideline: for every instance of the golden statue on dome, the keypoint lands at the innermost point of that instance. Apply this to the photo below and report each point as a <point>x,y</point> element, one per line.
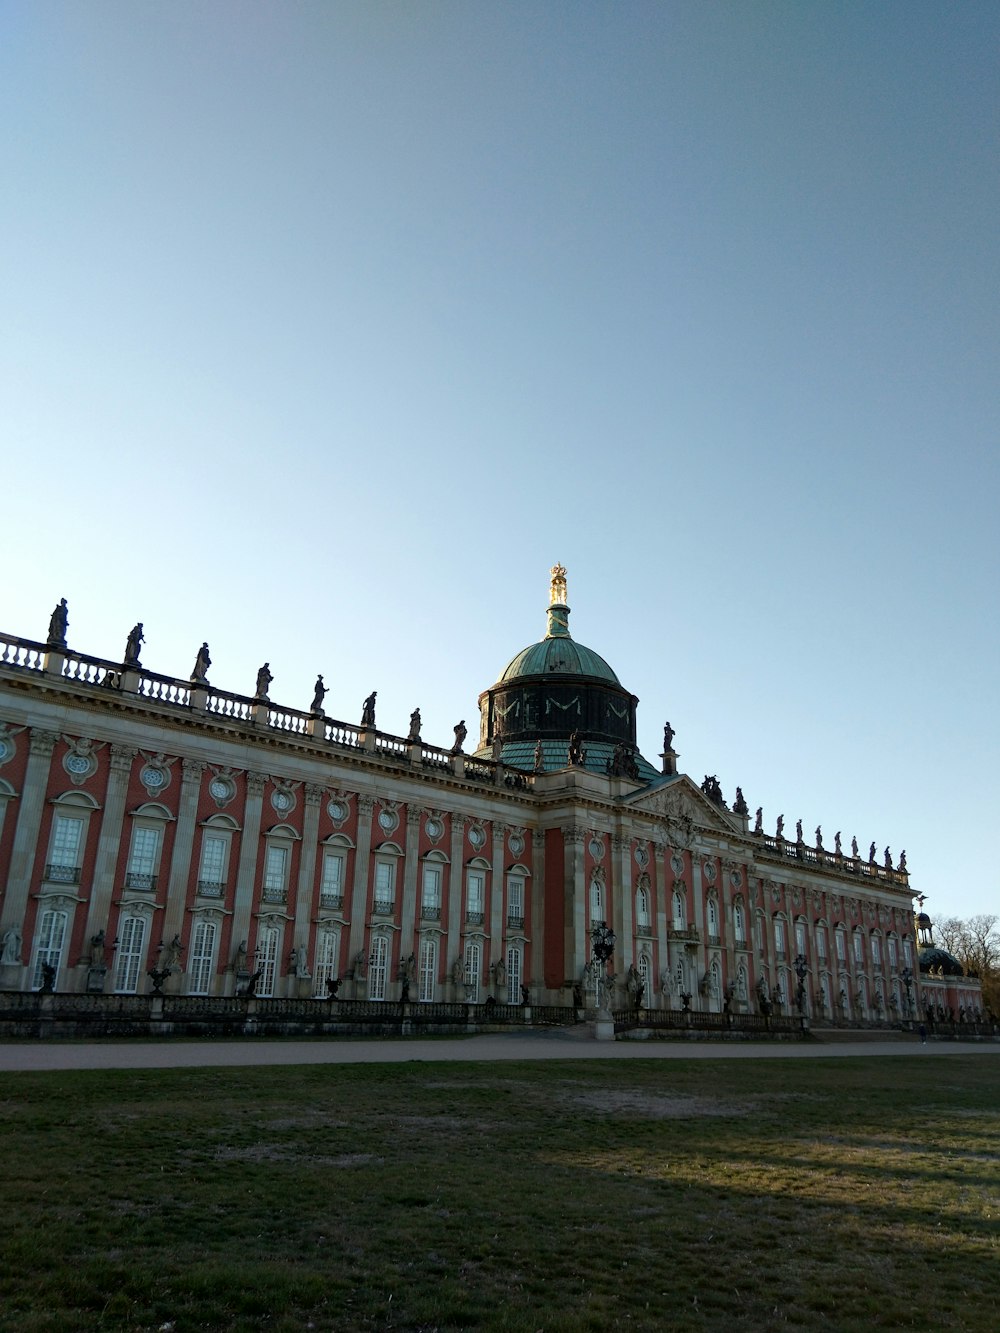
<point>557,586</point>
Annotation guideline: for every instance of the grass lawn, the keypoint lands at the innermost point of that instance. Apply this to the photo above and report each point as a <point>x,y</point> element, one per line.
<point>767,1194</point>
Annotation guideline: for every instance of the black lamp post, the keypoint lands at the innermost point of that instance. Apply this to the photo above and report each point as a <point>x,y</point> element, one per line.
<point>801,971</point>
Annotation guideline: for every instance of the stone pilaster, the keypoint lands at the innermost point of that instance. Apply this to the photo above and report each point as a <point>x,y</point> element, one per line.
<point>577,904</point>
<point>314,793</point>
<point>29,819</point>
<point>359,892</point>
<point>624,904</point>
<point>498,919</point>
<point>456,890</point>
<point>411,886</point>
<point>180,862</point>
<point>109,841</point>
<point>246,872</point>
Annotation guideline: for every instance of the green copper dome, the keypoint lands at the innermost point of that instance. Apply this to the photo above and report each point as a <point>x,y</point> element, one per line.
<point>561,656</point>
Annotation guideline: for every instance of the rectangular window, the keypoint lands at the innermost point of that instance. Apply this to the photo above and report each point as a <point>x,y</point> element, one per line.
<point>385,884</point>
<point>859,949</point>
<point>67,838</point>
<point>841,947</point>
<point>428,970</point>
<point>907,953</point>
<point>739,925</point>
<point>821,941</point>
<point>275,872</point>
<point>893,953</point>
<point>144,857</point>
<point>515,900</point>
<point>779,936</point>
<point>327,961</point>
<point>212,871</point>
<point>201,964</point>
<point>475,896</point>
<point>48,946</point>
<point>876,951</point>
<point>800,937</point>
<point>331,889</point>
<point>128,962</point>
<point>430,905</point>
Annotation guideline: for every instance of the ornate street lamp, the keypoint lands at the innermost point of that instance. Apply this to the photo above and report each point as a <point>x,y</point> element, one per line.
<point>602,939</point>
<point>801,971</point>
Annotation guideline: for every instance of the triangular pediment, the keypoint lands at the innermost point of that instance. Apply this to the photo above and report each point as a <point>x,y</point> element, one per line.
<point>684,808</point>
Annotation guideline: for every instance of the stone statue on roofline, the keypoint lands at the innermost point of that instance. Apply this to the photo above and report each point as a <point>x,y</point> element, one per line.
<point>132,647</point>
<point>319,694</point>
<point>368,710</point>
<point>740,806</point>
<point>759,820</point>
<point>58,625</point>
<point>668,738</point>
<point>413,736</point>
<point>264,679</point>
<point>461,731</point>
<point>199,674</point>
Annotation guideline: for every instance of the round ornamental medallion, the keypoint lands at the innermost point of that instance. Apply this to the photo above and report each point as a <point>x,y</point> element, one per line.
<point>153,778</point>
<point>677,863</point>
<point>596,848</point>
<point>476,836</point>
<point>388,819</point>
<point>282,801</point>
<point>642,856</point>
<point>516,844</point>
<point>78,763</point>
<point>6,749</point>
<point>736,879</point>
<point>337,810</point>
<point>434,828</point>
<point>710,871</point>
<point>221,790</point>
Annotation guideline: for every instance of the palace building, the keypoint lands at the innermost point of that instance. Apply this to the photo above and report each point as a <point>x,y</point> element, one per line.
<point>218,844</point>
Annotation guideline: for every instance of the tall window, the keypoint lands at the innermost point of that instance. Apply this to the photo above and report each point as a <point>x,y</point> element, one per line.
<point>876,951</point>
<point>645,969</point>
<point>144,857</point>
<point>713,917</point>
<point>515,900</point>
<point>739,924</point>
<point>212,871</point>
<point>275,874</point>
<point>327,960</point>
<point>473,970</point>
<point>427,971</point>
<point>64,854</point>
<point>385,886</point>
<point>201,963</point>
<point>841,947</point>
<point>430,906</point>
<point>379,970</point>
<point>642,908</point>
<point>331,888</point>
<point>131,950</point>
<point>821,942</point>
<point>779,935</point>
<point>907,953</point>
<point>514,974</point>
<point>48,945</point>
<point>859,948</point>
<point>267,959</point>
<point>800,937</point>
<point>679,913</point>
<point>893,953</point>
<point>596,900</point>
<point>475,896</point>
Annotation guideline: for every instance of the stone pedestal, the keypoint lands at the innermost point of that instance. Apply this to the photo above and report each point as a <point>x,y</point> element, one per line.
<point>604,1026</point>
<point>95,979</point>
<point>10,976</point>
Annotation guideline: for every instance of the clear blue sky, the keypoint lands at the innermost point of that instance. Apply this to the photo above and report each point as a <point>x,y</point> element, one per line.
<point>329,327</point>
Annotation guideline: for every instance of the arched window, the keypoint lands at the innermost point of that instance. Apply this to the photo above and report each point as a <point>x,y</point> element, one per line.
<point>680,915</point>
<point>779,936</point>
<point>130,955</point>
<point>268,944</point>
<point>800,937</point>
<point>379,969</point>
<point>645,969</point>
<point>327,961</point>
<point>201,964</point>
<point>49,939</point>
<point>514,974</point>
<point>642,907</point>
<point>739,923</point>
<point>473,970</point>
<point>597,897</point>
<point>713,917</point>
<point>427,974</point>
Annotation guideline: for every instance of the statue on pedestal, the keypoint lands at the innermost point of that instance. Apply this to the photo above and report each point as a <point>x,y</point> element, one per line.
<point>58,625</point>
<point>368,710</point>
<point>414,733</point>
<point>461,731</point>
<point>319,694</point>
<point>264,679</point>
<point>199,674</point>
<point>132,647</point>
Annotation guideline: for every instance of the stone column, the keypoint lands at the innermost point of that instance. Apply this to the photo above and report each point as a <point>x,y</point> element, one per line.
<point>456,893</point>
<point>698,957</point>
<point>180,862</point>
<point>110,840</point>
<point>411,887</point>
<point>538,915</point>
<point>359,892</point>
<point>576,905</point>
<point>246,871</point>
<point>662,879</point>
<point>498,919</point>
<point>624,913</point>
<point>29,819</point>
<point>302,912</point>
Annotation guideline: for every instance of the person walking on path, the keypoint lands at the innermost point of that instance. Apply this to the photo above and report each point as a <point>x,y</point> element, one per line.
<point>923,1034</point>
